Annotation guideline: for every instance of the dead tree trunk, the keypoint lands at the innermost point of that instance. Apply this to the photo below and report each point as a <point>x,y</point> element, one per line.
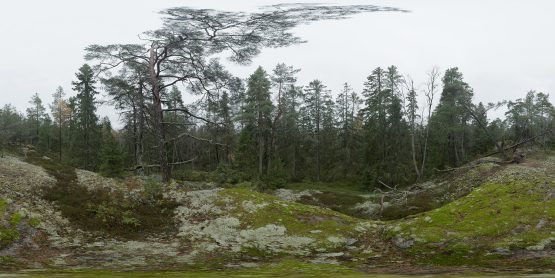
<point>514,146</point>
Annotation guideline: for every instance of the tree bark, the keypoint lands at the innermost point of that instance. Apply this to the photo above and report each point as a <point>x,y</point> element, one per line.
<point>158,119</point>
<point>414,154</point>
<point>272,143</point>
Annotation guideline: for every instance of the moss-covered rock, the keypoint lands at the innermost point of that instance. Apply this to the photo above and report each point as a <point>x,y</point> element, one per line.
<point>253,224</point>
<point>485,214</point>
<point>508,216</point>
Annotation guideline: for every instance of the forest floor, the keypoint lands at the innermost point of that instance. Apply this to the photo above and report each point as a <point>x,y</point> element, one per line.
<point>484,216</point>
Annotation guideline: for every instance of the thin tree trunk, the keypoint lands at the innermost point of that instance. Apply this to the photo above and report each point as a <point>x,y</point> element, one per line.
<point>414,154</point>
<point>60,135</point>
<point>318,136</point>
<point>425,151</point>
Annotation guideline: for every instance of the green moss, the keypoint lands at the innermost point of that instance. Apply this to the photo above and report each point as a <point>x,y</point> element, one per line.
<point>285,268</point>
<point>289,267</point>
<point>16,218</point>
<point>3,205</point>
<point>34,222</point>
<point>8,263</point>
<point>8,236</point>
<point>335,187</point>
<point>501,213</point>
<point>298,219</point>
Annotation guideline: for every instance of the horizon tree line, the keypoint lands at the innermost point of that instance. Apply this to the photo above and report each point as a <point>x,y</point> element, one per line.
<point>269,128</point>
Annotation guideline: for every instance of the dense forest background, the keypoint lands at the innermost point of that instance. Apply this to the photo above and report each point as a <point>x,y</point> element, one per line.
<point>269,128</point>
<point>266,128</point>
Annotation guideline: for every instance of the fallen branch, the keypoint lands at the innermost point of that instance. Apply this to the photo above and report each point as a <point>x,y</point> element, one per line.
<point>209,141</point>
<point>382,183</point>
<point>173,123</point>
<point>137,167</point>
<point>186,111</point>
<point>456,168</point>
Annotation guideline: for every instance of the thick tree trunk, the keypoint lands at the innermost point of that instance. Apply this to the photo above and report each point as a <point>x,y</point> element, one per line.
<point>141,126</point>
<point>272,143</point>
<point>158,119</point>
<point>260,154</point>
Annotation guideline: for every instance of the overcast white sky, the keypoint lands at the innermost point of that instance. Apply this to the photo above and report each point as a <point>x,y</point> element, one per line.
<point>503,47</point>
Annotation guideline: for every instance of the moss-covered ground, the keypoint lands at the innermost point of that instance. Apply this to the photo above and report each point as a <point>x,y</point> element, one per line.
<point>508,220</point>
<point>297,218</point>
<point>487,215</point>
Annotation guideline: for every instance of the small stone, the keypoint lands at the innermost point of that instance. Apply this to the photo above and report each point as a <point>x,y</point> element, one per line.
<point>540,224</point>
<point>249,264</point>
<point>332,255</point>
<point>367,251</point>
<point>501,251</point>
<point>351,241</point>
<point>402,242</point>
<point>520,229</point>
<point>428,219</point>
<point>541,245</point>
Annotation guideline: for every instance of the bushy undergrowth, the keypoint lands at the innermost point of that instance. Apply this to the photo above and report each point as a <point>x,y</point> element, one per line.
<point>106,210</point>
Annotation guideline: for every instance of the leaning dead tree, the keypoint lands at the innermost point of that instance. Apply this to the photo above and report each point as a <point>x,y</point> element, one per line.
<point>179,52</point>
<point>522,142</point>
<point>474,114</point>
<point>516,158</point>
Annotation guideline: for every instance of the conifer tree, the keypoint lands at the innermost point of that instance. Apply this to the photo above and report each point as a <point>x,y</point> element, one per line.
<point>451,120</point>
<point>36,114</point>
<point>60,111</point>
<point>111,156</point>
<point>258,108</point>
<point>85,115</point>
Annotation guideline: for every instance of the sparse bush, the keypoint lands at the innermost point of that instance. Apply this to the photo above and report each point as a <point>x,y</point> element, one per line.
<point>227,174</point>
<point>34,222</point>
<point>8,236</point>
<point>190,175</point>
<point>16,218</point>
<point>129,219</point>
<point>112,160</point>
<point>152,187</point>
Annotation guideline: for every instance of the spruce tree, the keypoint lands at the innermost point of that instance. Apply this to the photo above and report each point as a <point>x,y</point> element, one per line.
<point>111,156</point>
<point>88,133</point>
<point>451,121</point>
<point>36,114</point>
<point>256,115</point>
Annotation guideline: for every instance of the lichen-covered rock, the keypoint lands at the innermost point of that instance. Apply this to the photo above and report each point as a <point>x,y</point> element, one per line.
<point>402,242</point>
<point>370,208</point>
<point>21,183</point>
<point>238,220</point>
<point>292,196</point>
<point>18,178</point>
<point>542,244</point>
